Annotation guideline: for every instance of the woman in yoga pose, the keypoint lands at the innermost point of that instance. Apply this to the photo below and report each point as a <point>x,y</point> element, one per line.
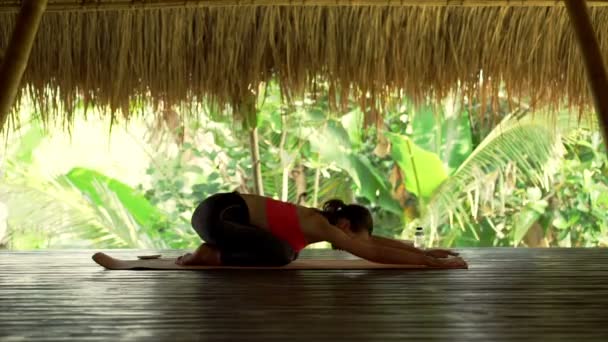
<point>251,230</point>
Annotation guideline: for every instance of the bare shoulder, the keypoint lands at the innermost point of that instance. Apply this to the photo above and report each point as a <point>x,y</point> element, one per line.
<point>310,217</point>
<point>309,213</point>
<point>251,197</point>
<point>313,223</point>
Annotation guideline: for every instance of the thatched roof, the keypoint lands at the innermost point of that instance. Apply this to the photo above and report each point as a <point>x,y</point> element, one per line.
<point>179,54</point>
<point>97,5</point>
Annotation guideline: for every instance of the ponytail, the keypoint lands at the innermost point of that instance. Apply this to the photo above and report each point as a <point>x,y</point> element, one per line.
<point>360,218</point>
<point>332,210</point>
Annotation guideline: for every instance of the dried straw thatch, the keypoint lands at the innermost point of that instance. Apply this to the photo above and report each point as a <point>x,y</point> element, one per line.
<point>181,55</point>
<point>100,5</point>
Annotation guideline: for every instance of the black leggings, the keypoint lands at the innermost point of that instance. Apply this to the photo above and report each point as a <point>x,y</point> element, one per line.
<point>222,220</point>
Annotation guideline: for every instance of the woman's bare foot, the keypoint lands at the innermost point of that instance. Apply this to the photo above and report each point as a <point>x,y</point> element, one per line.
<point>204,255</point>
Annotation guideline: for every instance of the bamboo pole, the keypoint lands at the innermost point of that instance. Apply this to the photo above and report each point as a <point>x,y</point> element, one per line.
<point>255,160</point>
<point>106,5</point>
<point>17,54</point>
<point>246,110</point>
<point>592,58</point>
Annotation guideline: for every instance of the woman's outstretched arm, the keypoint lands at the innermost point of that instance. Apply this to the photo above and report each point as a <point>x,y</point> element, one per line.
<point>408,245</point>
<point>377,252</point>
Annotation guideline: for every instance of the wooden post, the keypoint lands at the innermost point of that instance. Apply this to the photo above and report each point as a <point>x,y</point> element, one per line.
<point>18,53</point>
<point>246,107</point>
<point>255,160</point>
<point>592,58</point>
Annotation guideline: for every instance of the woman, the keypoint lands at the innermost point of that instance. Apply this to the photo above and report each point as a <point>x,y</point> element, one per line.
<point>251,230</point>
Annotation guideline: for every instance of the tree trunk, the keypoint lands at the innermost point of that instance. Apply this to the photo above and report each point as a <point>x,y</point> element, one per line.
<point>255,161</point>
<point>299,175</point>
<point>285,164</point>
<point>17,54</point>
<point>285,184</point>
<point>315,202</point>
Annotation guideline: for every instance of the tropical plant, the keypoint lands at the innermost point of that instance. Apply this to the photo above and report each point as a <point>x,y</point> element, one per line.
<point>577,214</point>
<point>569,212</point>
<point>306,156</point>
<point>82,208</point>
<point>433,165</point>
<point>524,149</point>
<point>53,214</point>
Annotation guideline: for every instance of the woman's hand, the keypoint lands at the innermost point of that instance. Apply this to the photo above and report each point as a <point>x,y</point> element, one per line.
<point>440,253</point>
<point>455,262</point>
<point>444,258</point>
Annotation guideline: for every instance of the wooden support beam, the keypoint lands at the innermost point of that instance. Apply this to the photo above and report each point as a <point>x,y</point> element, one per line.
<point>254,144</point>
<point>17,54</point>
<point>592,58</point>
<point>106,5</point>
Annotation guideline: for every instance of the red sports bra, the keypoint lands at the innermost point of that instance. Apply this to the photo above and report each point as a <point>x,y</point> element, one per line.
<point>283,222</point>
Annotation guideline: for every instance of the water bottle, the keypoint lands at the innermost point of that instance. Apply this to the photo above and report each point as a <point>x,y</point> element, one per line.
<point>419,238</point>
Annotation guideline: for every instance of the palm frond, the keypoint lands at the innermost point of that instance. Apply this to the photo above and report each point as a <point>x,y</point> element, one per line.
<point>524,146</point>
<point>58,213</point>
<point>67,217</point>
<point>114,220</point>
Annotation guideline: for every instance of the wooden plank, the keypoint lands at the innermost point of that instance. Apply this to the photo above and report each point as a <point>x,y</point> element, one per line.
<point>506,295</point>
<point>71,5</point>
<point>592,58</point>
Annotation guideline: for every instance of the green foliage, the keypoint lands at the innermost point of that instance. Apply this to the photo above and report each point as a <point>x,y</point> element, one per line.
<point>180,179</point>
<point>61,217</point>
<point>578,214</point>
<point>88,181</point>
<point>28,142</point>
<point>532,209</point>
<point>424,170</point>
<point>52,212</point>
<point>334,147</point>
<point>521,146</point>
<point>444,130</point>
<point>471,186</point>
<point>566,208</point>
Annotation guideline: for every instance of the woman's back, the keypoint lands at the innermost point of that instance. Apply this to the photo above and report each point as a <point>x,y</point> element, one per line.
<point>258,214</point>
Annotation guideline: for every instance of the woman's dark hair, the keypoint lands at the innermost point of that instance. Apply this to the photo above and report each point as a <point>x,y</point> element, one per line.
<point>360,218</point>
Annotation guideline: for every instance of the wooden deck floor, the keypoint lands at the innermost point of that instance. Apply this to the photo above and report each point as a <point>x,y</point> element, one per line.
<point>507,294</point>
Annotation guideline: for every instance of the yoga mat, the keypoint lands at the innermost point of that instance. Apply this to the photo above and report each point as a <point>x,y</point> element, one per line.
<point>304,264</point>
